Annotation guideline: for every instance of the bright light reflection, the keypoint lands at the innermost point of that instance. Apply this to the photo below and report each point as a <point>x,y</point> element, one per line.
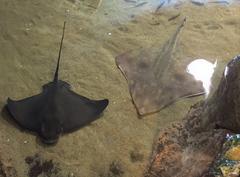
<point>202,70</point>
<point>226,71</point>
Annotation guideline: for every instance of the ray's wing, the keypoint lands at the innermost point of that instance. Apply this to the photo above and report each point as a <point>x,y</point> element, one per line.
<point>75,111</point>
<point>25,112</point>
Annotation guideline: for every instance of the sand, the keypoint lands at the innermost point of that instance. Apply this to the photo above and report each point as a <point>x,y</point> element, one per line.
<point>29,41</point>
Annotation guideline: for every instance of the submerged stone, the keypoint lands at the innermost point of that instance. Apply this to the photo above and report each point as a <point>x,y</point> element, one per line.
<point>227,163</point>
<point>233,153</point>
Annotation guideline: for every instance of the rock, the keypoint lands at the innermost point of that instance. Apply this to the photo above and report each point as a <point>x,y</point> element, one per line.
<point>39,166</point>
<point>189,148</point>
<point>136,156</point>
<point>7,170</point>
<point>116,169</point>
<point>227,98</point>
<point>227,162</point>
<point>233,153</point>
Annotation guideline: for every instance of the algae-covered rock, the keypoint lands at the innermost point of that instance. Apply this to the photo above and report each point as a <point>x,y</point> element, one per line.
<point>190,147</point>
<point>227,164</point>
<point>233,153</point>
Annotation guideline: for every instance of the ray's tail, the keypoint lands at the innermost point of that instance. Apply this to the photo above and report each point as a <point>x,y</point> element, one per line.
<point>59,55</point>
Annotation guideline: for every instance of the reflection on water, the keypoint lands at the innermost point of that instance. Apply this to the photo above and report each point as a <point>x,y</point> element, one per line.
<point>153,4</point>
<point>138,3</point>
<point>123,9</point>
<point>226,71</point>
<point>202,70</point>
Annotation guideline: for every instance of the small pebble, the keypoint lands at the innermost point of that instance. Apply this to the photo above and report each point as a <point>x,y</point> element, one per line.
<point>71,175</point>
<point>67,13</point>
<point>8,140</point>
<point>28,26</point>
<point>25,142</point>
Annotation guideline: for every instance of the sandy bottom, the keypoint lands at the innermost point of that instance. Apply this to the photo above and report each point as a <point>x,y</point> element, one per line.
<point>120,143</point>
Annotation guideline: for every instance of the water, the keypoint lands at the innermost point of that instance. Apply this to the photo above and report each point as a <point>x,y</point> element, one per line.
<point>29,41</point>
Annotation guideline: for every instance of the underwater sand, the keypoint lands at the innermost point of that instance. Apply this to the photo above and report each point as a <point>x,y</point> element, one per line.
<point>120,143</point>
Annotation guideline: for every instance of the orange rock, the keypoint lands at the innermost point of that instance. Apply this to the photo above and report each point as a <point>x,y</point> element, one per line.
<point>233,153</point>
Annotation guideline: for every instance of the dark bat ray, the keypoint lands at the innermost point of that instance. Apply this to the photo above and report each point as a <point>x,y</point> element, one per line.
<point>155,78</point>
<point>56,110</point>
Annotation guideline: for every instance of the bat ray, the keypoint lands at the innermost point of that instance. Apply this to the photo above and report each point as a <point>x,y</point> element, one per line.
<point>56,110</point>
<point>155,78</point>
